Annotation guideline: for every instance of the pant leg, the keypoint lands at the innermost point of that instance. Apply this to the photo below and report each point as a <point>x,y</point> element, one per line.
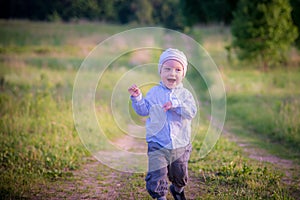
<point>157,179</point>
<point>178,168</point>
<point>157,183</point>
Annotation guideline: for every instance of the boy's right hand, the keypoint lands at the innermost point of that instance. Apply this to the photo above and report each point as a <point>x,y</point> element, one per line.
<point>134,90</point>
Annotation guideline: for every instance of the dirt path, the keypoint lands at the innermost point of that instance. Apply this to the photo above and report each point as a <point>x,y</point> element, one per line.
<point>97,181</point>
<point>288,167</point>
<point>92,181</point>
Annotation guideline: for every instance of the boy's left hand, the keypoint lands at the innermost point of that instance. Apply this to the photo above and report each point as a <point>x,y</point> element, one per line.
<point>167,106</point>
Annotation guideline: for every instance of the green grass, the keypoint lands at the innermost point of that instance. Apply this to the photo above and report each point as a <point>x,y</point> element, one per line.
<point>38,138</point>
<point>39,142</point>
<point>227,174</point>
<point>266,105</point>
<point>26,33</point>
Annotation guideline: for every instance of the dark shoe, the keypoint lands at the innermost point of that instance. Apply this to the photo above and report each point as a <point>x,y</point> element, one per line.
<point>176,195</point>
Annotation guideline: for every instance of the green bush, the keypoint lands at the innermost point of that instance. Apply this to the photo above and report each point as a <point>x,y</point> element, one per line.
<point>263,31</point>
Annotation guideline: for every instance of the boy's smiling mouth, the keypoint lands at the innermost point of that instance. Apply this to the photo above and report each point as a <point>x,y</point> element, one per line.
<point>171,80</point>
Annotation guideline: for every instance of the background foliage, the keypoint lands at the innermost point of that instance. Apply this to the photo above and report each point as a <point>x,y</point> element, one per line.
<point>263,30</point>
<point>166,12</point>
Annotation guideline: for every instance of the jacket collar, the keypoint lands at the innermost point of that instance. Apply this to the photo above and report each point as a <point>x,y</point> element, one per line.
<point>180,85</point>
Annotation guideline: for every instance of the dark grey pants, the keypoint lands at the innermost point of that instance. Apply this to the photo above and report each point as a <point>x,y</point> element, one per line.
<point>164,164</point>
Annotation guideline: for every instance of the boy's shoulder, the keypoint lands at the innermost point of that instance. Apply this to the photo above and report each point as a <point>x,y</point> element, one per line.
<point>156,88</point>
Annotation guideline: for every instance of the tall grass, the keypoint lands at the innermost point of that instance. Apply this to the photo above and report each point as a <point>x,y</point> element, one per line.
<point>288,123</point>
<point>38,138</point>
<point>266,104</point>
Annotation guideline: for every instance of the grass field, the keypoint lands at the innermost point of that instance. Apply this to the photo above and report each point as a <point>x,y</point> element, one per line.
<point>39,143</point>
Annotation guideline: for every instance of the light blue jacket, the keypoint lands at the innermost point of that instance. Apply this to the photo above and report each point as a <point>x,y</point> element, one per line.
<point>171,129</point>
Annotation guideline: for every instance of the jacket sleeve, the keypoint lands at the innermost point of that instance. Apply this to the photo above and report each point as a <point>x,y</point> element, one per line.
<point>140,105</point>
<point>184,104</point>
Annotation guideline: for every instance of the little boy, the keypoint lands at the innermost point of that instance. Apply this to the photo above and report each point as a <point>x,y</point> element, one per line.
<point>170,108</point>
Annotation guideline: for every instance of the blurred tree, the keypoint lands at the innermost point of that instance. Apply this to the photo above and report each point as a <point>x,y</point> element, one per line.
<point>143,11</point>
<point>79,9</point>
<point>169,13</point>
<point>176,14</point>
<point>108,11</point>
<point>30,9</point>
<point>124,11</point>
<point>263,31</point>
<point>213,11</point>
<point>296,17</point>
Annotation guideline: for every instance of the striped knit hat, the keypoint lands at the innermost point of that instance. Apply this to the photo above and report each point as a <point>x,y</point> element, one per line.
<point>173,54</point>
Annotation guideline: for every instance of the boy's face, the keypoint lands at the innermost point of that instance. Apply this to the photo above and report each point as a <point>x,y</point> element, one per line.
<point>171,73</point>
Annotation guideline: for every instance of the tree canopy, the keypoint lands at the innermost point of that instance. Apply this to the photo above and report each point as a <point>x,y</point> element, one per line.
<point>263,30</point>
<point>170,13</point>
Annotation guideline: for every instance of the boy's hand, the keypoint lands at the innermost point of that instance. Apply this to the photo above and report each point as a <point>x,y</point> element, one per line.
<point>167,106</point>
<point>134,90</point>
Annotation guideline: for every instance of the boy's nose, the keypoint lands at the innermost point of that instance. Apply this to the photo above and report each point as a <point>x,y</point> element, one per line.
<point>173,72</point>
